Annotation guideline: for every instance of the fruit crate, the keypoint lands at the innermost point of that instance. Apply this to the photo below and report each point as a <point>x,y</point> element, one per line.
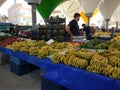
<point>4,59</point>
<point>22,69</point>
<point>17,61</point>
<point>49,85</point>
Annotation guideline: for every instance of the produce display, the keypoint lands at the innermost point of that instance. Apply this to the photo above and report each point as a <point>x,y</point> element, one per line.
<point>105,62</point>
<point>101,34</point>
<point>41,48</point>
<point>114,44</point>
<point>8,41</point>
<point>95,44</point>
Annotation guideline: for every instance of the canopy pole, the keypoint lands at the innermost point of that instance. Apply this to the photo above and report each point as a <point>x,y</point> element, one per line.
<point>88,16</point>
<point>107,22</point>
<point>33,16</point>
<point>117,24</point>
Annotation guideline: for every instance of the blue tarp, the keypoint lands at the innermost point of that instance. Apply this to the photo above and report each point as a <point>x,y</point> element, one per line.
<point>70,77</point>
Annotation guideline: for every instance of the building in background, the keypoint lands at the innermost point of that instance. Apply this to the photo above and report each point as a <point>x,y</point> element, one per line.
<point>20,14</point>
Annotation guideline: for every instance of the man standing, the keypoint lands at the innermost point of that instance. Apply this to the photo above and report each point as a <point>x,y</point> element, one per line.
<point>73,28</point>
<point>87,30</point>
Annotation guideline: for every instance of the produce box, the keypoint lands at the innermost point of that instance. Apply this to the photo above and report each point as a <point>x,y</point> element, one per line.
<point>4,59</point>
<point>22,69</point>
<point>17,61</point>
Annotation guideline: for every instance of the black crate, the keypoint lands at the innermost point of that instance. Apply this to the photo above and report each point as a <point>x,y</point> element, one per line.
<point>49,85</point>
<point>21,69</point>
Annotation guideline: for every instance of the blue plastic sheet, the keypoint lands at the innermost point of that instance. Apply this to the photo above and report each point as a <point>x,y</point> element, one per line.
<point>77,79</point>
<point>2,49</point>
<point>117,85</point>
<point>6,51</point>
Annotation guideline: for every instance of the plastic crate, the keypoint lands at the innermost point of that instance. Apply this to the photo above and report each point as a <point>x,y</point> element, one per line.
<point>4,59</point>
<point>17,61</point>
<point>49,85</point>
<point>21,69</point>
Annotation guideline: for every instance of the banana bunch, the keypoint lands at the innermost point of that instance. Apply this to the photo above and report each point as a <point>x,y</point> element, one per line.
<point>116,73</point>
<point>72,60</point>
<point>99,58</point>
<point>40,43</point>
<point>98,34</point>
<point>52,51</point>
<point>114,61</point>
<point>42,53</point>
<point>57,58</point>
<point>85,55</point>
<point>97,65</point>
<point>82,55</point>
<point>69,60</point>
<point>15,46</point>
<point>115,39</point>
<point>116,53</point>
<point>33,51</point>
<point>71,46</point>
<point>112,72</point>
<point>108,70</point>
<point>24,49</point>
<point>105,53</point>
<point>69,51</point>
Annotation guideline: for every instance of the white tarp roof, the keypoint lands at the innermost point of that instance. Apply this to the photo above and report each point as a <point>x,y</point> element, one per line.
<point>106,7</point>
<point>89,5</point>
<point>116,14</point>
<point>70,7</point>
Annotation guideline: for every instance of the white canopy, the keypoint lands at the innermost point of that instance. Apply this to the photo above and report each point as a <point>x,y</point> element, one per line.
<point>107,7</point>
<point>70,7</point>
<point>116,15</point>
<point>89,5</point>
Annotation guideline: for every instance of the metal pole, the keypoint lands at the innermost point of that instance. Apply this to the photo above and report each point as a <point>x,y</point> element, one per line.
<point>88,21</point>
<point>117,25</point>
<point>33,16</point>
<point>107,21</point>
<point>88,16</point>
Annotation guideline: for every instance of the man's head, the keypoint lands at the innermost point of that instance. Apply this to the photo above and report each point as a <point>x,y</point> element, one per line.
<point>83,25</point>
<point>77,16</point>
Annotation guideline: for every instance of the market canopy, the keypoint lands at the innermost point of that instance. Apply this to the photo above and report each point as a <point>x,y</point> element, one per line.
<point>89,5</point>
<point>116,15</point>
<point>70,7</point>
<point>107,7</point>
<point>47,6</point>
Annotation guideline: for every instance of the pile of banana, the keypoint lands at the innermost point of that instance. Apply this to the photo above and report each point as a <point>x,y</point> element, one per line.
<point>46,51</point>
<point>115,39</point>
<point>33,51</point>
<point>97,64</point>
<point>69,59</point>
<point>57,58</point>
<point>82,55</point>
<point>112,72</point>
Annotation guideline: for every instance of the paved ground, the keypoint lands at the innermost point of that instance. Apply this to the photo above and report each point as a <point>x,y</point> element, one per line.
<point>10,81</point>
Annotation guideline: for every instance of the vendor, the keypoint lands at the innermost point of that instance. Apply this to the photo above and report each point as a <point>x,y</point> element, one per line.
<point>87,30</point>
<point>73,28</point>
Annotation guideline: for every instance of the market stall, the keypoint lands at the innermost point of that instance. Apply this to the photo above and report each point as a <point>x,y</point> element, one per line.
<point>79,67</point>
